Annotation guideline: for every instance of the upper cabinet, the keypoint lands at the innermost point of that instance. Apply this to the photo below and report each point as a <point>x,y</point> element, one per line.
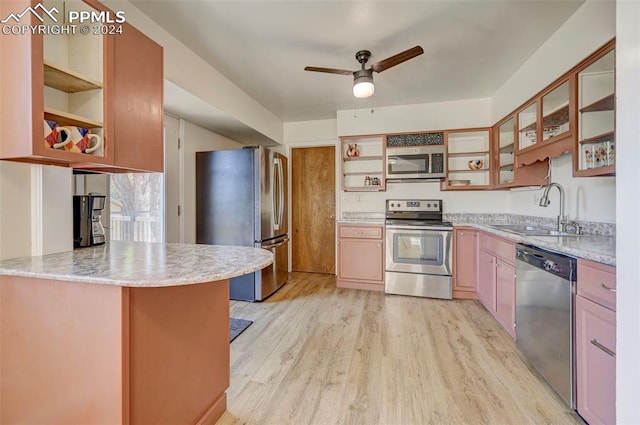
<point>363,167</point>
<point>507,171</point>
<point>60,91</point>
<point>468,159</point>
<point>595,149</point>
<point>546,124</point>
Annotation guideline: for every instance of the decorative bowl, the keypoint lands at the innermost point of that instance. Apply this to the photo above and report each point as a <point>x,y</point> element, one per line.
<point>476,164</point>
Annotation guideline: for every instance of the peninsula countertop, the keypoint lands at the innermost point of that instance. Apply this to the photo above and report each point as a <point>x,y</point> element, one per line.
<point>142,264</point>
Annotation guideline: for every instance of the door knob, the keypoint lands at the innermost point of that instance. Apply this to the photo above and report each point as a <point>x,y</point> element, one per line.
<point>332,217</point>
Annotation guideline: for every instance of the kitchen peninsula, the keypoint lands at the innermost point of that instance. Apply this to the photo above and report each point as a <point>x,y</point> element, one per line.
<point>122,333</point>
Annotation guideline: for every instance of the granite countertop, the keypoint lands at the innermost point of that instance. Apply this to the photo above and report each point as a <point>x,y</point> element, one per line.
<point>599,248</point>
<point>361,218</point>
<point>141,264</point>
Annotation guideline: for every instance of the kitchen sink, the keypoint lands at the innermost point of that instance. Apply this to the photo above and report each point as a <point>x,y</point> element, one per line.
<point>527,230</point>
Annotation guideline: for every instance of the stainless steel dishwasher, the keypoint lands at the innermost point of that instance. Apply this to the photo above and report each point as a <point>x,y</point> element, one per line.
<point>545,299</point>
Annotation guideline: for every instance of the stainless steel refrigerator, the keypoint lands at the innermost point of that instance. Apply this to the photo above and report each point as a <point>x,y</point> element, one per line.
<point>241,199</point>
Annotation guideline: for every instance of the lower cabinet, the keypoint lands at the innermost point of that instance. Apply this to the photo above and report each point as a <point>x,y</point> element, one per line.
<point>465,262</point>
<point>596,343</point>
<point>360,257</point>
<point>497,279</point>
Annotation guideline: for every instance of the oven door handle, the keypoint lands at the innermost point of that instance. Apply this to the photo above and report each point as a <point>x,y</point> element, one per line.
<point>417,228</point>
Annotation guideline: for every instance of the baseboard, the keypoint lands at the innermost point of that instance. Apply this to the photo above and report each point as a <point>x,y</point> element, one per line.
<point>214,412</point>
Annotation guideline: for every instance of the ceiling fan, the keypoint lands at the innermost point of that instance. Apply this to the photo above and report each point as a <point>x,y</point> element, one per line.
<point>363,78</point>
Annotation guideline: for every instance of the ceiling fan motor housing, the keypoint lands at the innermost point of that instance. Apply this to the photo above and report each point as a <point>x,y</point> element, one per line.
<point>363,56</point>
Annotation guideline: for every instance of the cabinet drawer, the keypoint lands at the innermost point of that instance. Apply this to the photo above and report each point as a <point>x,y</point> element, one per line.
<point>500,247</point>
<point>597,282</point>
<point>360,232</point>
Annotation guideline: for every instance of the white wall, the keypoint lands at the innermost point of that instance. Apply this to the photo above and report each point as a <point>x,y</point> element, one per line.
<point>585,31</point>
<point>196,139</point>
<point>586,198</point>
<point>36,214</point>
<point>15,208</point>
<point>311,131</point>
<point>628,205</point>
<point>420,117</point>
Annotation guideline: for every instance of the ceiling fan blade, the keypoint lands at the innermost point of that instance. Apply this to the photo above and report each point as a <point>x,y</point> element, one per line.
<point>328,70</point>
<point>397,59</point>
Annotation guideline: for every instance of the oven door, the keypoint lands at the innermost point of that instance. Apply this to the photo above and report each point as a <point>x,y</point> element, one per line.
<point>415,249</point>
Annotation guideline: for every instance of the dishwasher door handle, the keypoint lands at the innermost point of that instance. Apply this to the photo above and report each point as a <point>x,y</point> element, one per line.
<point>602,347</point>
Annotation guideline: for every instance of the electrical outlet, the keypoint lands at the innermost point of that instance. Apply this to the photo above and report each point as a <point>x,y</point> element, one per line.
<point>359,198</point>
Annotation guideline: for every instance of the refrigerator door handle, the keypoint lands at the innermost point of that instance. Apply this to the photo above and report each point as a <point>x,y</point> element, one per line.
<point>275,245</point>
<point>280,193</point>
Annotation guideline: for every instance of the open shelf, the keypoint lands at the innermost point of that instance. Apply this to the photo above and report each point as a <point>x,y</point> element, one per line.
<point>507,148</point>
<point>65,118</point>
<point>362,173</point>
<point>607,103</point>
<point>467,170</point>
<point>372,188</point>
<point>364,158</point>
<point>506,167</point>
<point>66,80</point>
<point>604,137</point>
<point>476,153</point>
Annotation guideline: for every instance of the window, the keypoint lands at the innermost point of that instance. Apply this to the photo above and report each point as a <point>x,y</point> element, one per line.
<point>137,207</point>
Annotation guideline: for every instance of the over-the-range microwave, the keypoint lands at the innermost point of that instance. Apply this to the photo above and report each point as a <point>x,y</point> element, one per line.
<point>416,162</point>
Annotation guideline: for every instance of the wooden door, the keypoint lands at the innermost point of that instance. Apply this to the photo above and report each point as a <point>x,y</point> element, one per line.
<point>313,209</point>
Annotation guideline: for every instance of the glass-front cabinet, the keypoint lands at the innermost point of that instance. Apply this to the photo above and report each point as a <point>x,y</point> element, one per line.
<point>528,126</point>
<point>545,124</point>
<point>595,150</point>
<point>505,142</point>
<point>363,163</point>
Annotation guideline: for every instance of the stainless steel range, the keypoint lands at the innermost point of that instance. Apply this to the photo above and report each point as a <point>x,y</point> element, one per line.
<point>418,249</point>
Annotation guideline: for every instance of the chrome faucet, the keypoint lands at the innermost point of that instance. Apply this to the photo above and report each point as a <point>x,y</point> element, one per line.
<point>544,202</point>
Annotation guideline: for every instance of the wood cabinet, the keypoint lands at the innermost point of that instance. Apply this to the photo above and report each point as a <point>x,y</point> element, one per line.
<point>546,124</point>
<point>595,148</point>
<point>487,280</point>
<point>497,279</point>
<point>363,163</point>
<point>361,256</point>
<point>468,159</point>
<point>507,170</point>
<point>70,81</point>
<point>465,262</point>
<point>596,342</point>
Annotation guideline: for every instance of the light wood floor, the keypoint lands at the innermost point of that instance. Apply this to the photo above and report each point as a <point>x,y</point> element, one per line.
<point>316,354</point>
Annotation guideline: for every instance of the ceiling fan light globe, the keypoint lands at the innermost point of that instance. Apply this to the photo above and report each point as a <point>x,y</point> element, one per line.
<point>363,89</point>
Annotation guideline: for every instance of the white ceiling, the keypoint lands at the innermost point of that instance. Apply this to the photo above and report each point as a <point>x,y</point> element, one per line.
<point>471,47</point>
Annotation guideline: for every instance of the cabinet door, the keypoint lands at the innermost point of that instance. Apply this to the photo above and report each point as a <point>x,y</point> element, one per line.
<point>487,280</point>
<point>360,260</point>
<point>595,153</point>
<point>595,362</point>
<point>137,101</point>
<point>506,295</point>
<point>466,271</point>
